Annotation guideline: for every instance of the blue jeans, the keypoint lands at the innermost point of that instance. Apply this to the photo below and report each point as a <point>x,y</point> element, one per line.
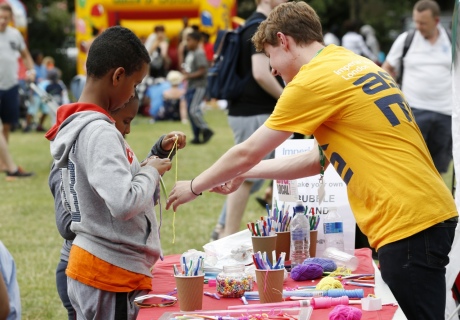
<point>436,129</point>
<point>415,270</point>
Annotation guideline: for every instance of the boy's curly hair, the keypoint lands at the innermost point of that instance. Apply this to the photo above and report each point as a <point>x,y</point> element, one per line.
<point>116,47</point>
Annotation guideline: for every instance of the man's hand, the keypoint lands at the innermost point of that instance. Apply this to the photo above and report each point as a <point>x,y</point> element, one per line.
<point>228,187</point>
<point>180,194</point>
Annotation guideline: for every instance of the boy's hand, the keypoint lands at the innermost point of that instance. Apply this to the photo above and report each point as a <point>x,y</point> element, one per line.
<point>168,141</point>
<point>162,165</point>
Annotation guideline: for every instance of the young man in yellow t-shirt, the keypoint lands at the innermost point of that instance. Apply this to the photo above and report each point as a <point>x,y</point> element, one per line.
<point>367,132</point>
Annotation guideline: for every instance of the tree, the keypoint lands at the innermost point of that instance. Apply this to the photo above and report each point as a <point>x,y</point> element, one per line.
<point>50,25</point>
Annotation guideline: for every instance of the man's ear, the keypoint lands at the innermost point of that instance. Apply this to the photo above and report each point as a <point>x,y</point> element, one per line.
<point>282,39</point>
<point>118,74</point>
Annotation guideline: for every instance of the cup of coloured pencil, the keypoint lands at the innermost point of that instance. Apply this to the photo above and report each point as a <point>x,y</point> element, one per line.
<point>189,284</point>
<point>279,220</point>
<point>263,236</point>
<point>269,277</point>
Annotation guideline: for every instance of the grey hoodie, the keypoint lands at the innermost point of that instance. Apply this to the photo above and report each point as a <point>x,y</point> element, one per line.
<point>109,195</point>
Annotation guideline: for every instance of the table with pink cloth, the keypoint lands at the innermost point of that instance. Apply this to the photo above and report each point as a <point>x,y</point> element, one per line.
<point>163,283</point>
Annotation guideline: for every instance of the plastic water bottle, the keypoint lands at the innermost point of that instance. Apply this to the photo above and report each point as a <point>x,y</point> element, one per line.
<point>300,236</point>
<point>333,230</point>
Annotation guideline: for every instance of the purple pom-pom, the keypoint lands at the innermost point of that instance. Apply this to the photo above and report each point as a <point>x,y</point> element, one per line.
<point>342,312</point>
<point>327,264</point>
<point>303,272</point>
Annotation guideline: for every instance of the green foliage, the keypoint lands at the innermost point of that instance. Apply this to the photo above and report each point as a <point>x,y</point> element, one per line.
<point>49,27</point>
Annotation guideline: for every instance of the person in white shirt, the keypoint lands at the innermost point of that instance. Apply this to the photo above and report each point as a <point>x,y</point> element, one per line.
<point>353,41</point>
<point>11,46</point>
<point>427,80</point>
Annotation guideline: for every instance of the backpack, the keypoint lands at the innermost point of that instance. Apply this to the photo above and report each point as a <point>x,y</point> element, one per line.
<point>223,79</point>
<point>407,43</point>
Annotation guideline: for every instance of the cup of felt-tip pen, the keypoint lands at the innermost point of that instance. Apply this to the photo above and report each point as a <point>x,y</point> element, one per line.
<point>190,283</point>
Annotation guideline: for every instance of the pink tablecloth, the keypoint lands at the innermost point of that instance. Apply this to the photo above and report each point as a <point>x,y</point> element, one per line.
<point>163,283</point>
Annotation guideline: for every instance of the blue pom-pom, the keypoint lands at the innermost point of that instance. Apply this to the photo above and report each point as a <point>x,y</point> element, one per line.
<point>304,272</point>
<point>327,264</point>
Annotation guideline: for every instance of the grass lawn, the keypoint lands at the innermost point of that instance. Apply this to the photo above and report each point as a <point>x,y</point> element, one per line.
<point>27,224</point>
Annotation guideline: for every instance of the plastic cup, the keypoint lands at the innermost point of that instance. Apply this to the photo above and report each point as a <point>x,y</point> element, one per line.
<point>270,285</point>
<point>313,239</point>
<point>341,258</point>
<point>190,292</point>
<point>264,244</point>
<point>283,243</point>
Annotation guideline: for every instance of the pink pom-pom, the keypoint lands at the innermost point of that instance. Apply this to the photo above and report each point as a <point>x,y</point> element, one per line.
<point>341,312</point>
<point>304,272</point>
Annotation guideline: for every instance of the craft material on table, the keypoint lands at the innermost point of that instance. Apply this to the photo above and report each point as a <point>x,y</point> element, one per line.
<point>233,281</point>
<point>163,282</point>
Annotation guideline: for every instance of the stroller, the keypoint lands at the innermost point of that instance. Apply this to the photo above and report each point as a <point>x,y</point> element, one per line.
<point>45,98</point>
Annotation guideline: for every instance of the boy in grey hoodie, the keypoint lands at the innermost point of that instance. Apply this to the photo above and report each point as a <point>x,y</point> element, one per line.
<point>163,148</point>
<point>108,193</point>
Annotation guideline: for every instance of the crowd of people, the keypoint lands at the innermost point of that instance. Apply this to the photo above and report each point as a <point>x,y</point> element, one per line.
<point>385,139</point>
<point>176,90</point>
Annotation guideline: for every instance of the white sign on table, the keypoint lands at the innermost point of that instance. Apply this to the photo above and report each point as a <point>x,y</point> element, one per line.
<point>287,192</point>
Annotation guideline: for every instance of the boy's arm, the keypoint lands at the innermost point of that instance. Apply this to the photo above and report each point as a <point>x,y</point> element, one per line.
<point>158,151</point>
<point>63,217</point>
<point>167,144</point>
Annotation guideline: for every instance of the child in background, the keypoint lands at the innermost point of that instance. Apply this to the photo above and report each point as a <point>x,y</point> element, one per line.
<point>108,193</point>
<point>195,70</point>
<point>56,88</point>
<point>174,105</point>
<point>154,97</point>
<point>161,149</point>
<point>36,104</point>
<point>48,62</point>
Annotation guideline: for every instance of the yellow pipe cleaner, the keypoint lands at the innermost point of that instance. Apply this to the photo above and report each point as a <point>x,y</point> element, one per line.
<point>175,181</point>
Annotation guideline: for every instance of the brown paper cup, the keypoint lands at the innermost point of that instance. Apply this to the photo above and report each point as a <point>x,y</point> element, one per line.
<point>313,240</point>
<point>190,292</point>
<point>270,285</point>
<point>283,243</point>
<point>264,244</point>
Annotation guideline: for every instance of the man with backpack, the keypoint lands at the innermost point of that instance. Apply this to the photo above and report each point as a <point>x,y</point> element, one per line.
<point>423,58</point>
<point>249,110</point>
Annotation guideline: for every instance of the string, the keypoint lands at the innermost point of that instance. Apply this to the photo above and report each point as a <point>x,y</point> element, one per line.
<point>175,181</point>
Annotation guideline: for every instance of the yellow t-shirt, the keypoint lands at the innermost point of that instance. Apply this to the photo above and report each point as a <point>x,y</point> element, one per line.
<point>367,131</point>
